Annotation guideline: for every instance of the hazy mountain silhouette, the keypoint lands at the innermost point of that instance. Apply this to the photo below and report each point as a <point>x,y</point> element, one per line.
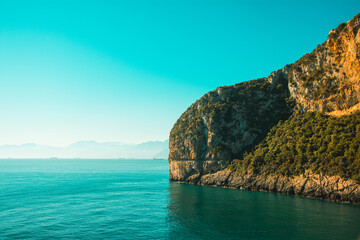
<point>87,149</point>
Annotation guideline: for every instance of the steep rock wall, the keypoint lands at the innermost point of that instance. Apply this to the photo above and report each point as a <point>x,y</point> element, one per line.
<point>225,123</point>
<point>328,79</point>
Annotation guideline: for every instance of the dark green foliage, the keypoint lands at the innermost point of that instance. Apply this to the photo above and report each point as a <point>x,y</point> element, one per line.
<point>308,141</point>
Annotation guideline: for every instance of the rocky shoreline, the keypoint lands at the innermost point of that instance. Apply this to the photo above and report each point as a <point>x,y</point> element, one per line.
<point>331,188</point>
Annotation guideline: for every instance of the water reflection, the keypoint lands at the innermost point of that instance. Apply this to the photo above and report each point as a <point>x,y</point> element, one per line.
<point>197,212</point>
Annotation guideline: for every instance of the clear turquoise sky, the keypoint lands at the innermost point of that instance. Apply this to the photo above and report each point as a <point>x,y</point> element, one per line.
<point>126,70</point>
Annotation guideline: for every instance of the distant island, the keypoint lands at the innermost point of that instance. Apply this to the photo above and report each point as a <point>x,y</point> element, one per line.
<point>296,131</point>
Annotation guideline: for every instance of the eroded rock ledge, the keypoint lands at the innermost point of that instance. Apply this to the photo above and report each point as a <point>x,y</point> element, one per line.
<point>308,185</point>
<point>185,170</point>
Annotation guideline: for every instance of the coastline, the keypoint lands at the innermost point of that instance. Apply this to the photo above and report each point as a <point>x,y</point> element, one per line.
<point>309,185</point>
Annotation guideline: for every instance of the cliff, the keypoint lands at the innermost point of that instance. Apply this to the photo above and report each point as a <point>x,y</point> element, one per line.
<point>224,123</point>
<point>328,79</point>
<point>227,137</point>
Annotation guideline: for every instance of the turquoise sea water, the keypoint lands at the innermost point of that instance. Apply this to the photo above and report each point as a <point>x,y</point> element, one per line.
<point>133,199</point>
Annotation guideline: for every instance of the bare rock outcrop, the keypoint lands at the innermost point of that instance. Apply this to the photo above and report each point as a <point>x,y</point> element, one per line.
<point>328,79</point>
<point>310,185</point>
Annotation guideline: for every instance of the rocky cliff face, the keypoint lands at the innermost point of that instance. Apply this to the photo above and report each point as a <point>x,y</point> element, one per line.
<point>231,120</point>
<point>226,122</point>
<point>328,79</point>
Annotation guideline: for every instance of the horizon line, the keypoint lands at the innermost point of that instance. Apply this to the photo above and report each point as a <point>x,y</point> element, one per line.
<point>67,145</point>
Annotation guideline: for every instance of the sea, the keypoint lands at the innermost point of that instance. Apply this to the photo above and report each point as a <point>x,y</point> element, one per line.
<point>133,199</point>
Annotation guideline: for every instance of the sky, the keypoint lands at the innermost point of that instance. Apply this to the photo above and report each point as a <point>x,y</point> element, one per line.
<point>124,71</point>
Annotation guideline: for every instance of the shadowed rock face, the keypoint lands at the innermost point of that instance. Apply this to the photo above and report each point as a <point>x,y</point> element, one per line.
<point>227,122</point>
<point>192,170</point>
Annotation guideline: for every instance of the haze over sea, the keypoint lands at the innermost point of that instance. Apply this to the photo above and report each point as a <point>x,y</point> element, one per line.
<point>133,199</point>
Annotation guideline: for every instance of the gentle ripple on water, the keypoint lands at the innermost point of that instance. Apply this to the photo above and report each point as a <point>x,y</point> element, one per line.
<point>133,199</point>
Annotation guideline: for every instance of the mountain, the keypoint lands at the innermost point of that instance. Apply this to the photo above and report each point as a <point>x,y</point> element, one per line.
<point>164,154</point>
<point>86,149</point>
<point>296,131</point>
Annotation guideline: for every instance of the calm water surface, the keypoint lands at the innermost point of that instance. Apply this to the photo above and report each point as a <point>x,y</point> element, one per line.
<point>133,199</point>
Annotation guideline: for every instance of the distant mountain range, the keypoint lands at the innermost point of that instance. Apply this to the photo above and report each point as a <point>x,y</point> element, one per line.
<point>89,149</point>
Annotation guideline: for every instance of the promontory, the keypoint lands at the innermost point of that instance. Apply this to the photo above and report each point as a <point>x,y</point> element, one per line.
<point>296,131</point>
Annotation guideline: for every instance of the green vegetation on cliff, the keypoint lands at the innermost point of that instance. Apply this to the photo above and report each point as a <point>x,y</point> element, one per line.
<point>308,141</point>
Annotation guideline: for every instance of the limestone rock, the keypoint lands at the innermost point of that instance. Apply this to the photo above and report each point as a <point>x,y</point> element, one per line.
<point>328,79</point>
